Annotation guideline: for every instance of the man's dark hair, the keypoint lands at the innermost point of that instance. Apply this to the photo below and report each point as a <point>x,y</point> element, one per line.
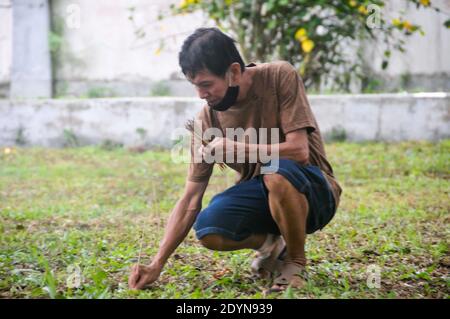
<point>208,48</point>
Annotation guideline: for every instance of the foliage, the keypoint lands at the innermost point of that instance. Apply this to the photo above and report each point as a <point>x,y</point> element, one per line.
<point>320,37</point>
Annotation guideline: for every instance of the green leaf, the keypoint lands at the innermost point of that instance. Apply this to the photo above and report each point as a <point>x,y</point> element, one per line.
<point>272,24</point>
<point>447,23</point>
<point>51,284</point>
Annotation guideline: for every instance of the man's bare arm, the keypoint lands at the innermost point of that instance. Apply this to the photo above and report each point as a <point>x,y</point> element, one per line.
<point>295,147</point>
<point>179,223</point>
<point>180,220</point>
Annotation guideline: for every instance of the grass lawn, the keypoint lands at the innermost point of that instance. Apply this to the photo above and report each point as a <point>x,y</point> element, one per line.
<point>84,209</point>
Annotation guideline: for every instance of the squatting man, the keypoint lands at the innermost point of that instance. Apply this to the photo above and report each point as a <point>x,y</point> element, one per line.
<point>274,204</point>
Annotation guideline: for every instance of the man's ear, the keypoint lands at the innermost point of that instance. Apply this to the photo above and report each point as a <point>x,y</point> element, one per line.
<point>236,73</point>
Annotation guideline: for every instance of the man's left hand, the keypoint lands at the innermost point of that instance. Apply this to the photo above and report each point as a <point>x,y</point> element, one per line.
<point>218,149</point>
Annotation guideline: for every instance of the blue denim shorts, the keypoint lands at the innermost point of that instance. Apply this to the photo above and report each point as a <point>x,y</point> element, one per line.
<point>243,209</point>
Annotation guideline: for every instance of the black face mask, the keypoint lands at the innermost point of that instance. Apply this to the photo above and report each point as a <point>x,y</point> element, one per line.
<point>228,100</point>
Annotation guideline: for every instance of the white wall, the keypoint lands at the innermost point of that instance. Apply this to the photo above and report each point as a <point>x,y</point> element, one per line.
<point>386,117</point>
<point>104,50</point>
<point>108,47</point>
<point>424,54</point>
<point>109,50</point>
<point>31,70</point>
<point>5,45</point>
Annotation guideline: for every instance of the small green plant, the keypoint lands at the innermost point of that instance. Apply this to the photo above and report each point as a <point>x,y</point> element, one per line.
<point>142,132</point>
<point>160,89</point>
<point>109,145</point>
<point>20,137</point>
<point>100,92</point>
<point>70,139</point>
<point>61,89</point>
<point>49,282</point>
<point>405,80</point>
<point>56,38</point>
<point>337,134</point>
<point>371,85</point>
<point>55,42</point>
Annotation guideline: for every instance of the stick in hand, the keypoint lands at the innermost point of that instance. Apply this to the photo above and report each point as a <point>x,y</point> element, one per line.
<point>190,127</point>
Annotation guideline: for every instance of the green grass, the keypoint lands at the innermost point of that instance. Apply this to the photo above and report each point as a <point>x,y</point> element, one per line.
<point>86,208</point>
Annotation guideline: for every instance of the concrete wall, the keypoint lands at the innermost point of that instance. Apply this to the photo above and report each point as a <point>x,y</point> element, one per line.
<point>31,71</point>
<point>102,55</point>
<point>385,117</point>
<point>106,52</point>
<point>106,38</point>
<point>151,121</point>
<point>5,46</point>
<point>50,123</point>
<point>425,65</point>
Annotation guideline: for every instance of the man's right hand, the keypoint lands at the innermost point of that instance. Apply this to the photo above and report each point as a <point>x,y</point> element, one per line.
<point>142,276</point>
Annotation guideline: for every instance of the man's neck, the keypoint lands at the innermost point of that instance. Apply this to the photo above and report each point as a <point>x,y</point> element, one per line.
<point>246,83</point>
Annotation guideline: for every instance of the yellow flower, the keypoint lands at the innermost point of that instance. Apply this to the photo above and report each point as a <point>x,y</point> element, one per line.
<point>352,3</point>
<point>158,51</point>
<point>186,3</point>
<point>425,3</point>
<point>7,150</point>
<point>397,22</point>
<point>307,45</point>
<point>408,26</point>
<point>363,10</point>
<point>301,34</point>
<point>183,4</point>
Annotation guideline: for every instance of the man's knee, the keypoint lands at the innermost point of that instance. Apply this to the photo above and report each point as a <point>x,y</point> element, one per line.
<point>212,241</point>
<point>275,183</point>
